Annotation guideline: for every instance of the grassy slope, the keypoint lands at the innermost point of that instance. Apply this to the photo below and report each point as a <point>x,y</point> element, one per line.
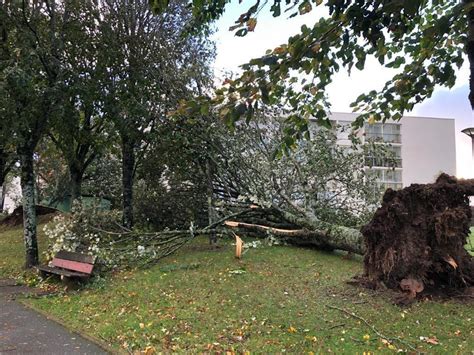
<point>12,257</point>
<point>279,303</point>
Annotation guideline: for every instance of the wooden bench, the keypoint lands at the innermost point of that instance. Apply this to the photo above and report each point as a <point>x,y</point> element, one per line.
<point>70,265</point>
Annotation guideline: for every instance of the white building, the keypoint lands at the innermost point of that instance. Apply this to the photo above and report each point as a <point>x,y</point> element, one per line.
<point>12,196</point>
<point>424,147</point>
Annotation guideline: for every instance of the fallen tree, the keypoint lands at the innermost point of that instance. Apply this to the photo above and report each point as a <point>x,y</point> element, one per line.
<point>415,241</point>
<point>323,195</point>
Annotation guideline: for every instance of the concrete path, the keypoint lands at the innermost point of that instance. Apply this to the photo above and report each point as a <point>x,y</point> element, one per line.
<point>24,331</point>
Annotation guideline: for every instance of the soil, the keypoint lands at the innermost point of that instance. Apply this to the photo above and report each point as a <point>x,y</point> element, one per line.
<point>16,217</point>
<point>415,241</point>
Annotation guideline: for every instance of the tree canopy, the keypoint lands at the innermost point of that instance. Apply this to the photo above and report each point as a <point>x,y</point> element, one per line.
<point>424,40</point>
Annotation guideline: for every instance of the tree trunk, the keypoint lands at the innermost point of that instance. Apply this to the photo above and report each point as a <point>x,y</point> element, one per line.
<point>3,190</point>
<point>210,205</point>
<point>76,183</point>
<point>29,210</point>
<point>4,169</point>
<point>334,236</point>
<point>128,165</point>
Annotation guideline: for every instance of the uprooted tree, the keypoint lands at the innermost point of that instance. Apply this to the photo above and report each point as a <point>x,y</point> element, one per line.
<point>323,195</point>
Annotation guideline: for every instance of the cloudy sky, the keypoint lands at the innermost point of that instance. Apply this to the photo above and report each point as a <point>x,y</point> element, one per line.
<point>271,32</point>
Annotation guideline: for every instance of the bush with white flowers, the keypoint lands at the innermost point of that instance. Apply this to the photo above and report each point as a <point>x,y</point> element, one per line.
<point>98,232</point>
<point>80,231</point>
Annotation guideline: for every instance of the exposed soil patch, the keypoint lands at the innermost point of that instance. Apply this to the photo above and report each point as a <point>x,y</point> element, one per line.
<point>16,217</point>
<point>415,241</point>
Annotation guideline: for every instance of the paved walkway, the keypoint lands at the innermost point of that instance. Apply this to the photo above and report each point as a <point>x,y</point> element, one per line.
<point>24,331</point>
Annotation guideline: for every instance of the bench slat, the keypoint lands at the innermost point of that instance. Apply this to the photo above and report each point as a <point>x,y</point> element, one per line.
<point>81,258</point>
<point>73,265</point>
<point>63,272</point>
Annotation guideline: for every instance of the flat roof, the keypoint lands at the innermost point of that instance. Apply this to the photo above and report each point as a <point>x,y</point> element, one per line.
<point>355,114</point>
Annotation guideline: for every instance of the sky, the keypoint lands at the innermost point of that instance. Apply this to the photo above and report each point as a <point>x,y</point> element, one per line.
<point>270,32</point>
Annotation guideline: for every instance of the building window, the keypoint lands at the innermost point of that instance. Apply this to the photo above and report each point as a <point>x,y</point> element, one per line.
<point>387,178</point>
<point>389,157</point>
<point>383,132</point>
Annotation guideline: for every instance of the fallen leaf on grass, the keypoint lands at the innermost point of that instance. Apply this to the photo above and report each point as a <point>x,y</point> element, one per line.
<point>149,350</point>
<point>430,340</point>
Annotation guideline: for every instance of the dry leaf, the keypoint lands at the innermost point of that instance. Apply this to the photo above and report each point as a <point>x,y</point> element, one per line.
<point>251,23</point>
<point>432,340</point>
<point>149,350</point>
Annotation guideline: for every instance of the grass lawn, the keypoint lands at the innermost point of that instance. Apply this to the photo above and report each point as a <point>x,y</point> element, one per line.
<point>276,299</point>
<point>12,251</point>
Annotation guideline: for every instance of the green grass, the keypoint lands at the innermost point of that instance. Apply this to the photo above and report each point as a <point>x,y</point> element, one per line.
<point>12,257</point>
<point>276,299</point>
<point>470,244</point>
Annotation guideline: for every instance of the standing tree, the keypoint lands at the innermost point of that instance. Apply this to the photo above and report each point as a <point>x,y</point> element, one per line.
<point>151,66</point>
<point>79,132</point>
<point>31,77</point>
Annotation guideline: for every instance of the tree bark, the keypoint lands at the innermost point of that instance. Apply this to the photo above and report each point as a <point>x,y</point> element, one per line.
<point>325,237</point>
<point>334,236</point>
<point>210,205</point>
<point>128,165</point>
<point>29,209</point>
<point>76,183</point>
<point>3,191</point>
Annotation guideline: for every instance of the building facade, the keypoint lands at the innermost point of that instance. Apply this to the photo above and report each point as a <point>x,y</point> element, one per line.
<point>422,147</point>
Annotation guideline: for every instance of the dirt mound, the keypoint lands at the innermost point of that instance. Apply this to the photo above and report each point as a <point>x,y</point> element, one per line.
<point>415,241</point>
<point>16,217</point>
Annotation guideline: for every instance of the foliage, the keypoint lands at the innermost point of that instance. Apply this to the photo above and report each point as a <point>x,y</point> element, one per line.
<point>52,177</point>
<point>151,66</point>
<point>171,186</point>
<point>168,203</point>
<point>32,73</point>
<point>424,41</point>
<point>278,304</point>
<point>102,178</point>
<point>79,131</point>
<point>77,232</point>
<point>99,233</point>
<point>319,178</point>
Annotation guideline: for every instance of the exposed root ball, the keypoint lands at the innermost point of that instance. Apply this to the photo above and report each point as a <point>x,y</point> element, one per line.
<point>415,241</point>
